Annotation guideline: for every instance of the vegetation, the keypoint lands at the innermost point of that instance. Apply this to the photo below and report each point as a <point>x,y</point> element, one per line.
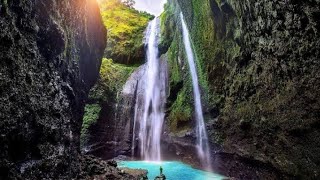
<point>112,77</point>
<point>126,28</point>
<point>180,104</point>
<point>124,52</point>
<point>180,112</point>
<point>167,26</point>
<point>91,115</point>
<point>209,47</point>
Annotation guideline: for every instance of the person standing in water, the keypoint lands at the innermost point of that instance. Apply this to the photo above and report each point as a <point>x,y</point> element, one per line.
<point>162,176</point>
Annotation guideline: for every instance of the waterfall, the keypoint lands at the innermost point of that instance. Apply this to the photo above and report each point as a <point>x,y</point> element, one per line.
<point>151,121</point>
<point>133,145</point>
<point>202,137</point>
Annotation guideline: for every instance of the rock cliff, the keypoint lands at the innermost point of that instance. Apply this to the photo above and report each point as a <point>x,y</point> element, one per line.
<point>50,55</point>
<point>258,65</point>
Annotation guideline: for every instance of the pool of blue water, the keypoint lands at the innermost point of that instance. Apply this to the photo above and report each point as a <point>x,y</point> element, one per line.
<point>172,169</point>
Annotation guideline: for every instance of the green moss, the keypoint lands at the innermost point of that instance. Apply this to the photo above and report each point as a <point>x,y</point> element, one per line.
<point>204,42</point>
<point>180,112</point>
<point>211,57</point>
<point>112,77</point>
<point>167,26</point>
<point>5,6</point>
<point>212,48</point>
<point>174,66</point>
<point>91,116</point>
<point>125,27</point>
<point>181,106</point>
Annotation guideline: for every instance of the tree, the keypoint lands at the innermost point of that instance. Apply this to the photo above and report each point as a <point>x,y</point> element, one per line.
<point>129,3</point>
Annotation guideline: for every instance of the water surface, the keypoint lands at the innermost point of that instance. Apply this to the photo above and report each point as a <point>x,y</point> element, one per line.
<point>172,169</point>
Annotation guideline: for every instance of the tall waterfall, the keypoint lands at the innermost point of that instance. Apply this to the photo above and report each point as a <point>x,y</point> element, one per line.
<point>202,137</point>
<point>151,121</point>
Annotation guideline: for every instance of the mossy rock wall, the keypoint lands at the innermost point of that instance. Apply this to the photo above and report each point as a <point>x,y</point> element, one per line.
<point>103,109</point>
<point>258,66</point>
<point>205,45</point>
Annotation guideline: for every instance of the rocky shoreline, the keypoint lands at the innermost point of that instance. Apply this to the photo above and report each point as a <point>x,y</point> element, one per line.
<point>94,168</point>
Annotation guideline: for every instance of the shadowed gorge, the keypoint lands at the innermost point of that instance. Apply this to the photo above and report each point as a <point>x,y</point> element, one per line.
<point>208,89</point>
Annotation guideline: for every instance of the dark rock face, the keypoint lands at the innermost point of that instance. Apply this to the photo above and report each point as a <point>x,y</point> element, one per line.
<point>50,55</point>
<point>261,63</point>
<point>271,111</point>
<point>180,147</point>
<point>93,168</point>
<point>136,58</point>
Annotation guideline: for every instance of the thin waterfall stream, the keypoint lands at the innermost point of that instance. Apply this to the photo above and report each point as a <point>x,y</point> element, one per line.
<point>202,137</point>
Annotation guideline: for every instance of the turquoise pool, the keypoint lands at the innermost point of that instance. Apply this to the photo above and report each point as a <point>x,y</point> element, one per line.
<point>172,169</point>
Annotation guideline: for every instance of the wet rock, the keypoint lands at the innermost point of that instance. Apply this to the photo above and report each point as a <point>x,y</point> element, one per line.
<point>112,163</point>
<point>136,173</point>
<point>160,177</point>
<point>93,168</point>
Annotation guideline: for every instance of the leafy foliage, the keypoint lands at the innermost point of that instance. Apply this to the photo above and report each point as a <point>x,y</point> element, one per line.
<point>125,27</point>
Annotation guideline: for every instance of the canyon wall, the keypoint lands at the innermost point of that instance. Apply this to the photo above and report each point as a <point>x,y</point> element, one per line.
<point>258,66</point>
<point>50,56</point>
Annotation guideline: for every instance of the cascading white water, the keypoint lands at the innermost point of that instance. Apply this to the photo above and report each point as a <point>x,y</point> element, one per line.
<point>134,126</point>
<point>202,137</point>
<point>153,112</point>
